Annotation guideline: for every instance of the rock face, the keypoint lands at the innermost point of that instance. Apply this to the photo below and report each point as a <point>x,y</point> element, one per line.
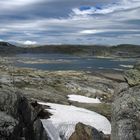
<point>132,76</point>
<point>126,115</point>
<point>85,132</point>
<point>18,119</point>
<point>137,66</point>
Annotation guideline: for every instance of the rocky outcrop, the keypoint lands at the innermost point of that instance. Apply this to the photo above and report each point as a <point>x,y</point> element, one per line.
<point>126,115</point>
<point>18,119</point>
<point>126,107</point>
<point>85,132</point>
<point>137,66</point>
<point>132,76</point>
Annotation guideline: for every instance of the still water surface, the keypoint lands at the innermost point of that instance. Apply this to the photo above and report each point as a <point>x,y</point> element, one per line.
<point>73,62</point>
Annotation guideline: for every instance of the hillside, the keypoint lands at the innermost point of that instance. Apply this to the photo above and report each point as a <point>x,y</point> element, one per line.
<point>7,48</point>
<point>82,50</point>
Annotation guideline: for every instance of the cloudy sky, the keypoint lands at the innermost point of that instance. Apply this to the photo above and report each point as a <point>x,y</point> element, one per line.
<point>70,21</point>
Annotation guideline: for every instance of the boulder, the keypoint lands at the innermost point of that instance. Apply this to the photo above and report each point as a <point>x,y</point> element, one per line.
<point>7,125</point>
<point>126,115</point>
<point>85,132</point>
<point>137,66</point>
<point>19,120</point>
<point>120,87</point>
<point>132,76</point>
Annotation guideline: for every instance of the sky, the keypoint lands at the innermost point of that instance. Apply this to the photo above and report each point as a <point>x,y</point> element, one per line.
<point>70,21</point>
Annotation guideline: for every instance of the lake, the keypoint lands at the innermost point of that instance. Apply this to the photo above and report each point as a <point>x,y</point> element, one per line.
<point>70,62</point>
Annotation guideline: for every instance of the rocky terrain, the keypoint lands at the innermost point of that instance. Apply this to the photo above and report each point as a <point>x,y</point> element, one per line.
<point>33,85</point>
<point>20,120</point>
<point>39,85</point>
<point>133,76</point>
<point>56,86</point>
<point>126,106</point>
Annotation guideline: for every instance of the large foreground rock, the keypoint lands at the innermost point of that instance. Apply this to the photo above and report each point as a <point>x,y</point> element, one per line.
<point>18,119</point>
<point>85,132</point>
<point>126,115</point>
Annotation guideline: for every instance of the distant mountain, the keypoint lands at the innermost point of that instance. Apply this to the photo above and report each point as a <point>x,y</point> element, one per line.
<point>124,50</point>
<point>90,50</point>
<point>7,48</point>
<point>5,44</point>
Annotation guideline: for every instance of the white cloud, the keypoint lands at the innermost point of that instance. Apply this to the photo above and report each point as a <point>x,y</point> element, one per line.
<point>16,2</point>
<point>9,6</point>
<point>28,42</point>
<point>83,12</point>
<point>109,8</point>
<point>90,31</point>
<point>80,26</point>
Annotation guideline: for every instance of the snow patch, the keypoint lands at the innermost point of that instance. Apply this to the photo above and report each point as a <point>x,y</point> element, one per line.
<point>117,69</point>
<point>127,66</point>
<point>83,99</point>
<point>65,118</point>
<point>52,132</point>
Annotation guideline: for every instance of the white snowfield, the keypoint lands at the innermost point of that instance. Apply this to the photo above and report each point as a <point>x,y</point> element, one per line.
<point>83,99</point>
<point>65,117</point>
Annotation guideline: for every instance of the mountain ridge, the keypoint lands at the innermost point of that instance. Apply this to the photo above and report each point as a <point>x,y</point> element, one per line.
<point>122,50</point>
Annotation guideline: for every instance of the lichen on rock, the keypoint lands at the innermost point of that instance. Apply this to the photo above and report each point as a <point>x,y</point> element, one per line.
<point>126,114</point>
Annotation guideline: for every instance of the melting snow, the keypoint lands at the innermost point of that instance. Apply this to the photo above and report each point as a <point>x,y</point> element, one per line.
<point>65,118</point>
<point>83,99</point>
